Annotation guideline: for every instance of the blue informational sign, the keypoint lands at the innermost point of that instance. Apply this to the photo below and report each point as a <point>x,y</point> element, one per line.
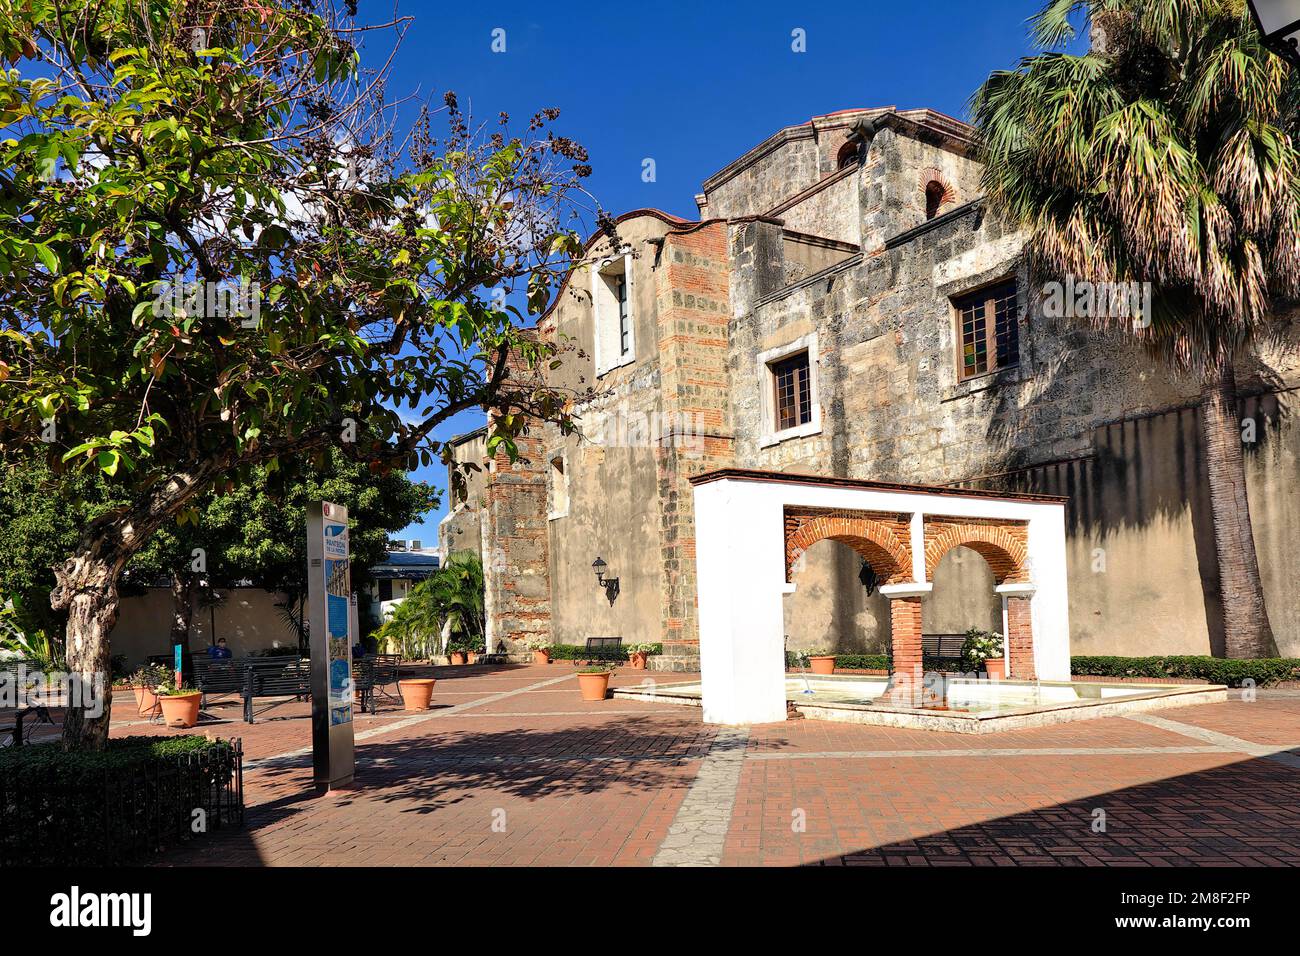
<point>329,595</point>
<point>338,587</point>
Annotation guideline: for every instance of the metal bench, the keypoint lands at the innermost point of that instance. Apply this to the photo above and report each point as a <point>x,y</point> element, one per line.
<point>14,730</point>
<point>388,671</point>
<point>365,672</point>
<point>275,677</point>
<point>605,649</point>
<point>219,676</point>
<point>13,670</point>
<point>942,652</point>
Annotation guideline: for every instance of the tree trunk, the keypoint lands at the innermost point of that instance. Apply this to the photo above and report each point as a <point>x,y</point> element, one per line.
<point>87,590</point>
<point>1247,632</point>
<point>183,609</point>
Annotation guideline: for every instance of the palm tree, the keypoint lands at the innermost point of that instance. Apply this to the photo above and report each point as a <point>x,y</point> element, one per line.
<point>451,595</point>
<point>1166,155</point>
<point>460,590</point>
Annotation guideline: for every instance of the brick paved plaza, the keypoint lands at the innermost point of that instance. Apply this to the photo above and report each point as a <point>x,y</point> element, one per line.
<point>513,768</point>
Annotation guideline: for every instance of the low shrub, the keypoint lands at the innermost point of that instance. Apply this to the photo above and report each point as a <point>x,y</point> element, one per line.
<point>114,806</point>
<point>862,662</point>
<point>1217,670</point>
<point>577,652</point>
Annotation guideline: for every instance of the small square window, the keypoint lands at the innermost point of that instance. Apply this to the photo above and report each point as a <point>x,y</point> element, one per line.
<point>988,331</point>
<point>790,378</point>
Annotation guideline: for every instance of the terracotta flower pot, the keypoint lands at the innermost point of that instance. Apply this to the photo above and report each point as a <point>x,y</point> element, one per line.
<point>822,665</point>
<point>180,710</point>
<point>637,660</point>
<point>459,657</point>
<point>996,668</point>
<point>542,657</point>
<point>416,692</point>
<point>146,701</point>
<point>594,686</point>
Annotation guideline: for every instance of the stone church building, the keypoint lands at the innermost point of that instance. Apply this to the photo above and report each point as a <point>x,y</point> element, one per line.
<point>844,306</point>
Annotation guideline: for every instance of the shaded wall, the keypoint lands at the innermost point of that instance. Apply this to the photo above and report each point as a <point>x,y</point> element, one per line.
<point>1143,579</point>
<point>248,619</point>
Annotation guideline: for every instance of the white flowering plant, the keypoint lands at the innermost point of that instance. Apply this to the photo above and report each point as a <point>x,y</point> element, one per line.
<point>980,646</point>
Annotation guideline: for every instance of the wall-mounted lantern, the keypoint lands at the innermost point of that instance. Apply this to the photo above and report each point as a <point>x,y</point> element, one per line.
<point>1279,21</point>
<point>609,584</point>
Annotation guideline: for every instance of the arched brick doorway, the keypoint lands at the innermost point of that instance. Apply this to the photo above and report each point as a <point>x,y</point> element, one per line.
<point>1004,544</point>
<point>879,538</point>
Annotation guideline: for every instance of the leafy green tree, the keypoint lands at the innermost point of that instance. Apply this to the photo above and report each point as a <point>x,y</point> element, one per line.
<point>346,267</point>
<point>256,533</point>
<point>1165,154</point>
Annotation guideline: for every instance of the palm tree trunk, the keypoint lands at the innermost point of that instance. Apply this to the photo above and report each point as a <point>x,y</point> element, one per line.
<point>1247,631</point>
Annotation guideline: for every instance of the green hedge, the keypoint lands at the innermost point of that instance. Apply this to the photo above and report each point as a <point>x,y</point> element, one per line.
<point>1217,670</point>
<point>577,652</point>
<point>114,806</point>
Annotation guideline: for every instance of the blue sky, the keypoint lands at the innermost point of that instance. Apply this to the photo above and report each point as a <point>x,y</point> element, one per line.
<point>692,85</point>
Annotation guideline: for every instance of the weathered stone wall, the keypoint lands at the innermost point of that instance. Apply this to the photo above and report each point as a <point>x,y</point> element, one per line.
<point>782,166</point>
<point>611,468</point>
<point>461,528</point>
<point>892,186</point>
<point>831,211</point>
<point>1083,414</point>
<point>516,566</point>
<point>613,513</point>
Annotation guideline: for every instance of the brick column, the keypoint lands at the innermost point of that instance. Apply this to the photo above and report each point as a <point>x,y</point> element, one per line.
<point>1020,630</point>
<point>516,562</point>
<point>907,668</point>
<point>692,287</point>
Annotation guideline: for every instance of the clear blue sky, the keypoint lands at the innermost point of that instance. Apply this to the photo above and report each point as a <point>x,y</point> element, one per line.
<point>693,85</point>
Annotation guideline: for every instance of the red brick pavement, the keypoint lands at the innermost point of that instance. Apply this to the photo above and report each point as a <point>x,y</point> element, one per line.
<point>573,783</point>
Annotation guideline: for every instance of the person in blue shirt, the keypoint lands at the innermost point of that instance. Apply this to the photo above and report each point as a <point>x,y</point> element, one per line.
<point>219,651</point>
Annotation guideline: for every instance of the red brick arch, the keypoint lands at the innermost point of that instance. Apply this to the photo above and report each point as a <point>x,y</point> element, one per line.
<point>878,538</point>
<point>1004,545</point>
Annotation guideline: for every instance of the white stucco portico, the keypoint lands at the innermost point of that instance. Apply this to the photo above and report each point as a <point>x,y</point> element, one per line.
<point>752,525</point>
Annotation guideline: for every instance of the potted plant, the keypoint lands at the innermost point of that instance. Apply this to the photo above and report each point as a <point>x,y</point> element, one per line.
<point>821,662</point>
<point>594,682</point>
<point>416,692</point>
<point>180,703</point>
<point>638,654</point>
<point>984,649</point>
<point>541,648</point>
<point>458,652</point>
<point>144,683</point>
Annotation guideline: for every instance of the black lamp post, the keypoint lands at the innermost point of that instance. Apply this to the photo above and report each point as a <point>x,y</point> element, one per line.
<point>1279,21</point>
<point>609,584</point>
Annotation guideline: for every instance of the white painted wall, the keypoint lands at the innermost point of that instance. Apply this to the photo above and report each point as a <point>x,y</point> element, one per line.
<point>740,565</point>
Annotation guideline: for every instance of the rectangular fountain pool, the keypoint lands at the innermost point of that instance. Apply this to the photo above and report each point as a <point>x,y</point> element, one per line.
<point>958,704</point>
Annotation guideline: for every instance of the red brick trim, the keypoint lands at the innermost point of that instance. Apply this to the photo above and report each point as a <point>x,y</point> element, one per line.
<point>1003,544</point>
<point>881,539</point>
